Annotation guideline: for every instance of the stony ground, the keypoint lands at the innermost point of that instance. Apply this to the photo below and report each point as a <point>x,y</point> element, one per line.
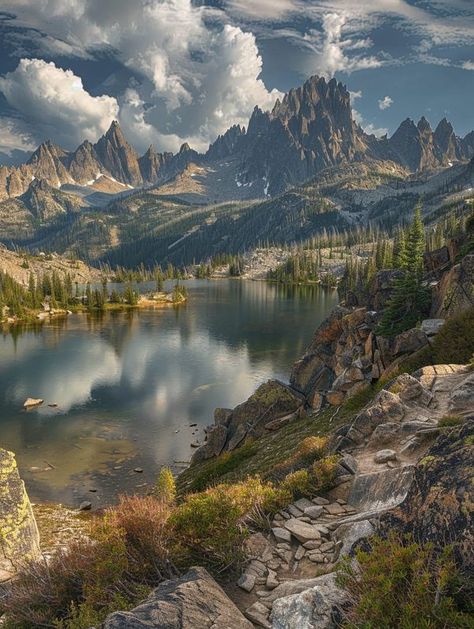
<point>21,266</point>
<point>309,536</point>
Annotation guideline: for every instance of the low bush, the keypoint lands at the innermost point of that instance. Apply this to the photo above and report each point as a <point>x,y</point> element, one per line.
<point>210,527</point>
<point>221,465</point>
<point>449,421</point>
<point>319,477</point>
<point>310,449</point>
<point>143,523</point>
<point>165,489</point>
<point>399,583</point>
<point>454,343</point>
<point>90,573</point>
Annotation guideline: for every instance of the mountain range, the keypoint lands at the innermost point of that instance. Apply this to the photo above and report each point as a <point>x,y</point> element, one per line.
<point>304,167</point>
<point>312,128</point>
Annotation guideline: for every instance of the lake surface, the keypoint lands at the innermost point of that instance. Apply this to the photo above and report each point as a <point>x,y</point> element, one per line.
<point>128,385</point>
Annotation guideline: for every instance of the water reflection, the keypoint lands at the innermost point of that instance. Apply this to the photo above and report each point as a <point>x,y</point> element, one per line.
<point>128,385</point>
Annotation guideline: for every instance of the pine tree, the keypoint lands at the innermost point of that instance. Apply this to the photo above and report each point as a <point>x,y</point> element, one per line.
<point>410,298</point>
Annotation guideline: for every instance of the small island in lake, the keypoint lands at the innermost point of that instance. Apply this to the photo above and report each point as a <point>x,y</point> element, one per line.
<point>50,296</point>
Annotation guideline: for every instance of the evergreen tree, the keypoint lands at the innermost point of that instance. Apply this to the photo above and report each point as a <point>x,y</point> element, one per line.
<point>410,297</point>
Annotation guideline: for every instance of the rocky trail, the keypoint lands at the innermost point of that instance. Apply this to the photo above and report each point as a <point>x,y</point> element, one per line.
<point>289,581</point>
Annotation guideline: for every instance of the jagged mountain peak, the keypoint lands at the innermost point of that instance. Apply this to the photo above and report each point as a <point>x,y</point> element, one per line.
<point>423,125</point>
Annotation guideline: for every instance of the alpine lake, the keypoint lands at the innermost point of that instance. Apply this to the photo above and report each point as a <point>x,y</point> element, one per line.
<point>129,391</point>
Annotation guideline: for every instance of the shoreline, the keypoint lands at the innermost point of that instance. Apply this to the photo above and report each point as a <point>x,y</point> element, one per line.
<point>44,316</point>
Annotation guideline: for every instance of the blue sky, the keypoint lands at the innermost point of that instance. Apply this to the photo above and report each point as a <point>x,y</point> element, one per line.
<point>175,70</point>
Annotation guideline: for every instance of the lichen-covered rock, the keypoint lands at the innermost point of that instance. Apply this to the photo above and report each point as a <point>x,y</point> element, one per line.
<point>455,290</point>
<point>194,600</point>
<point>314,608</point>
<point>215,441</point>
<point>271,401</point>
<point>410,341</point>
<point>439,505</point>
<point>19,537</point>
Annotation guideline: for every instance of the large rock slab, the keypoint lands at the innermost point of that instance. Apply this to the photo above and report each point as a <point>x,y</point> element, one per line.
<point>272,400</point>
<point>303,531</point>
<point>461,399</point>
<point>19,533</point>
<point>190,602</point>
<point>455,290</point>
<point>215,442</point>
<point>311,609</point>
<point>409,342</point>
<point>438,505</point>
<point>380,491</point>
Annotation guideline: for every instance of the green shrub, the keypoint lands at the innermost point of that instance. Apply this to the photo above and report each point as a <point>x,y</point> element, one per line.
<point>319,477</point>
<point>309,449</point>
<point>449,421</point>
<point>165,489</point>
<point>454,343</point>
<point>210,527</point>
<point>221,465</point>
<point>88,572</point>
<point>401,584</point>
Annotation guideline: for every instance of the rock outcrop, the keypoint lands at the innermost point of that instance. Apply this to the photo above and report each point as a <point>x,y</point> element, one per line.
<point>454,291</point>
<point>19,537</point>
<point>439,505</point>
<point>190,602</point>
<point>273,405</point>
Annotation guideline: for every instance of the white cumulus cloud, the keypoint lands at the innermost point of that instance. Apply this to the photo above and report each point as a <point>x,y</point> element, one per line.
<point>333,50</point>
<point>55,103</point>
<point>385,102</point>
<point>194,74</point>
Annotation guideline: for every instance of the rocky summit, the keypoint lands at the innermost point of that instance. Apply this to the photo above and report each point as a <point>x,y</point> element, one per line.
<point>310,129</point>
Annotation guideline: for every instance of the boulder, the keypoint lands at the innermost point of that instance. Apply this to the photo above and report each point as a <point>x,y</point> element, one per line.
<point>281,534</point>
<point>411,390</point>
<point>247,582</point>
<point>386,407</point>
<point>194,600</point>
<point>258,614</point>
<point>335,398</point>
<point>461,399</point>
<point>455,290</point>
<point>384,434</point>
<point>272,400</point>
<point>431,327</point>
<point>313,608</point>
<point>313,512</point>
<point>19,533</point>
<point>215,442</point>
<point>409,342</point>
<point>383,456</point>
<point>349,534</point>
<point>222,416</point>
<point>31,401</point>
<point>302,530</point>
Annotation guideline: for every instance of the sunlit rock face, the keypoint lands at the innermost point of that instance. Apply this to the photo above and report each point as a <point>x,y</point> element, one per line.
<point>19,537</point>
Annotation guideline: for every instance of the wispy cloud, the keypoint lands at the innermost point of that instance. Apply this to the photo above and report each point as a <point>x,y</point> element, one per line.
<point>385,102</point>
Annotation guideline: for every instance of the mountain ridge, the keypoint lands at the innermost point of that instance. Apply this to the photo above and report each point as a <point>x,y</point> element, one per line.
<point>310,129</point>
